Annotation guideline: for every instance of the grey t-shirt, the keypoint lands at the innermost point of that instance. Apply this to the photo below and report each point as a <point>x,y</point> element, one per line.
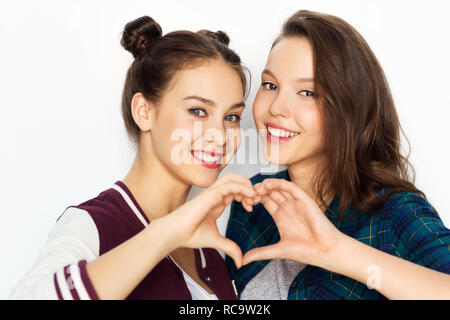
<point>273,281</point>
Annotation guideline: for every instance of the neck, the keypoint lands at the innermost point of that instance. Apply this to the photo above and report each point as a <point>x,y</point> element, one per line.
<point>302,174</point>
<point>155,188</point>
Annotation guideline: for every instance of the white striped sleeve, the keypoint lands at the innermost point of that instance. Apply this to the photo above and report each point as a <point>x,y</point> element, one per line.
<point>60,269</point>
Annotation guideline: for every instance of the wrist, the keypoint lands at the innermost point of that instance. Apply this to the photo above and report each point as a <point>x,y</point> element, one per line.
<point>338,257</point>
<point>352,258</point>
<point>160,231</point>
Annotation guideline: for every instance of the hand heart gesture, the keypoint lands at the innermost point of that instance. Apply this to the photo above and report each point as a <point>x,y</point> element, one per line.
<point>306,234</point>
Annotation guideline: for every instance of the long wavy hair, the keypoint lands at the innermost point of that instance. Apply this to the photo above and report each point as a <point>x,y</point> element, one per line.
<point>362,129</point>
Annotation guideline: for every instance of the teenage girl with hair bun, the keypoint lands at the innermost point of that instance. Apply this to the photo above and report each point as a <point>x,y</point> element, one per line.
<point>139,239</point>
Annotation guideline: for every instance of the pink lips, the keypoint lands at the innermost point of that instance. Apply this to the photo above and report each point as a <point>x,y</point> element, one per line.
<point>278,140</point>
<point>209,165</point>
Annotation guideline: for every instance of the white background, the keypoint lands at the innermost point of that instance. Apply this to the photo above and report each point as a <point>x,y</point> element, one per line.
<point>61,75</point>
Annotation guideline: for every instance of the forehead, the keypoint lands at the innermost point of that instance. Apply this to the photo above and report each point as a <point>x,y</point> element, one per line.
<point>292,56</point>
<point>214,80</point>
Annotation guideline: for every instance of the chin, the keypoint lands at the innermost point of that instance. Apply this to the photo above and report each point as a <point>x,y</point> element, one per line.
<point>204,180</point>
<point>281,160</point>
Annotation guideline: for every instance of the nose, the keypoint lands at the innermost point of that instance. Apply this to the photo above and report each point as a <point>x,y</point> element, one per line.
<point>280,106</point>
<point>214,133</point>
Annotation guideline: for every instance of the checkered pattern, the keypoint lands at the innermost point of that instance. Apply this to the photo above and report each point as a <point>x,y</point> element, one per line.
<point>407,227</point>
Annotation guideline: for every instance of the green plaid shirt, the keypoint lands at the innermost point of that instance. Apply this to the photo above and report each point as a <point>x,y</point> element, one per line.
<point>407,227</point>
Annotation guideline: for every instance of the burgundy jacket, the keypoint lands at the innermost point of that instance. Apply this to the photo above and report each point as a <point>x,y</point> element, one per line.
<point>86,231</point>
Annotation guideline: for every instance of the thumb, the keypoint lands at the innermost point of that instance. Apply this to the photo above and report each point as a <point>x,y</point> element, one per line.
<point>231,249</point>
<point>262,253</point>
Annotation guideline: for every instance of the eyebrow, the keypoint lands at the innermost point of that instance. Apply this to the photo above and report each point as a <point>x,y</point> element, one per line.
<point>201,99</point>
<point>212,103</point>
<point>302,79</point>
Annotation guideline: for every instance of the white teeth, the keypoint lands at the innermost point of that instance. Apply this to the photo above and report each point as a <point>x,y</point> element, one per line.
<point>281,133</point>
<point>206,157</point>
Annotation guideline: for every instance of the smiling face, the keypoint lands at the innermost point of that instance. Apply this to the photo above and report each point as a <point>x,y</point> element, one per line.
<point>196,128</point>
<point>286,111</point>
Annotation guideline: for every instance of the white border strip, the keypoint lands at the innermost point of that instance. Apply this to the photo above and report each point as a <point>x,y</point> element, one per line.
<point>202,258</point>
<point>130,204</point>
<point>78,283</point>
<point>63,285</point>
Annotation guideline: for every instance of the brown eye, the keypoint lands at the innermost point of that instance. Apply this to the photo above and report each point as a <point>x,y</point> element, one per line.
<point>307,93</point>
<point>269,86</point>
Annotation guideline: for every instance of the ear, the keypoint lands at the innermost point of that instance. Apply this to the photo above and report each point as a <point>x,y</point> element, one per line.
<point>142,111</point>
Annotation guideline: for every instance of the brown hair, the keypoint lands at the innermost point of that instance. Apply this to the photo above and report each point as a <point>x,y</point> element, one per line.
<point>362,129</point>
<point>158,58</point>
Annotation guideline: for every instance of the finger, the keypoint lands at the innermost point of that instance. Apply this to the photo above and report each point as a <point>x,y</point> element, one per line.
<point>245,204</point>
<point>231,249</point>
<point>238,192</point>
<point>236,189</point>
<point>262,253</point>
<point>286,186</point>
<point>287,195</point>
<point>248,204</point>
<point>228,199</point>
<point>217,198</point>
<point>257,198</point>
<point>277,197</point>
<point>260,189</point>
<point>257,186</point>
<point>269,204</point>
<point>233,177</point>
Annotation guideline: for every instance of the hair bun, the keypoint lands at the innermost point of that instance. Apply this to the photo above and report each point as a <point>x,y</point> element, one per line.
<point>139,34</point>
<point>219,36</point>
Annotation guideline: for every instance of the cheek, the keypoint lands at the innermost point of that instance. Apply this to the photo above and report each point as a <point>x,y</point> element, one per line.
<point>171,131</point>
<point>260,107</point>
<point>308,118</point>
<point>316,121</point>
<point>234,139</point>
<point>311,122</point>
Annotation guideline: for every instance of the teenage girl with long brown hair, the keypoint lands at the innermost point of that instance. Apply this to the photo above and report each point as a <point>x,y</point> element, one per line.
<point>345,220</point>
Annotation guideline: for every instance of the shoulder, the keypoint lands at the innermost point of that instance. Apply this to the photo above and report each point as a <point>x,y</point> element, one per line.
<point>410,212</point>
<point>110,213</point>
<point>73,222</point>
<point>77,228</point>
<point>104,203</point>
<point>407,205</point>
<point>108,209</point>
<point>73,237</point>
<point>412,219</point>
<point>417,233</point>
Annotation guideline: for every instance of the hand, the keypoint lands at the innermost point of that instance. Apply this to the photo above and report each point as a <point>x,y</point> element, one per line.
<point>193,225</point>
<point>306,235</point>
